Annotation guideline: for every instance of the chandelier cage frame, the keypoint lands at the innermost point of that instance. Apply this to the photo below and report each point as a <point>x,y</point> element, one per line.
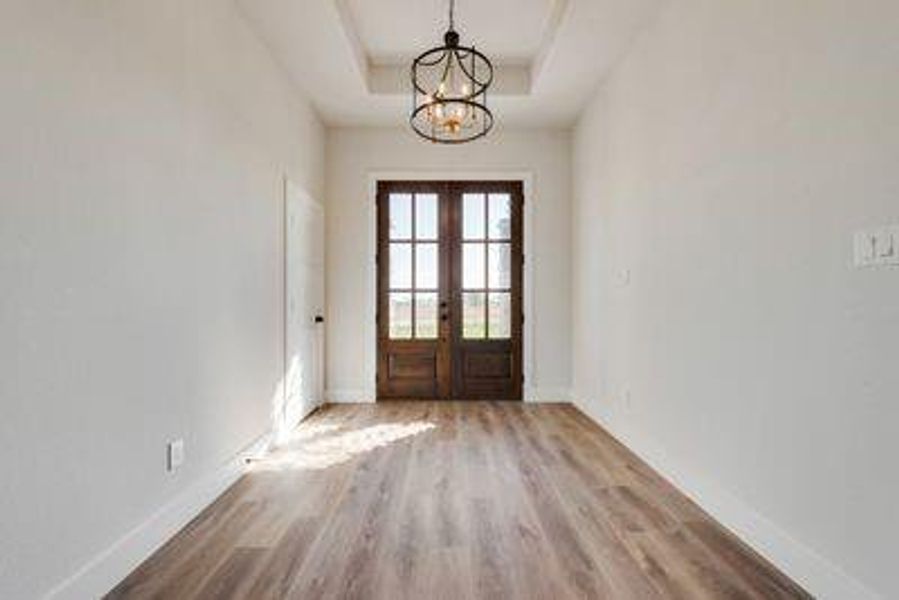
<point>437,65</point>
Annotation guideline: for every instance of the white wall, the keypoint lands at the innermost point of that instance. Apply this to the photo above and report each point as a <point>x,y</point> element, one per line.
<point>142,154</point>
<point>354,155</point>
<point>726,163</point>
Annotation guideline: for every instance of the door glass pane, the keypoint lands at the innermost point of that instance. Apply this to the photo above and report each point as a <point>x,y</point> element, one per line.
<point>473,266</point>
<point>400,316</point>
<point>500,315</point>
<point>499,217</point>
<point>426,266</point>
<point>426,220</point>
<point>400,266</point>
<point>473,317</point>
<point>426,315</point>
<point>400,216</point>
<point>499,266</point>
<point>473,216</point>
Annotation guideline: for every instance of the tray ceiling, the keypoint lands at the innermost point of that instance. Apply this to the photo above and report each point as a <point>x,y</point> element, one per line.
<point>352,57</point>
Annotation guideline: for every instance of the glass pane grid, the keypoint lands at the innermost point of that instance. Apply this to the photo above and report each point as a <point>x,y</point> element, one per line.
<point>486,266</point>
<point>414,266</point>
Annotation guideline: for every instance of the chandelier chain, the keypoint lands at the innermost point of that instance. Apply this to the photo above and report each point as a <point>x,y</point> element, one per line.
<point>452,15</point>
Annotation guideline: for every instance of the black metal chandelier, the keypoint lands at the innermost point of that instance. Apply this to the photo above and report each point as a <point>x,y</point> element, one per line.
<point>449,91</point>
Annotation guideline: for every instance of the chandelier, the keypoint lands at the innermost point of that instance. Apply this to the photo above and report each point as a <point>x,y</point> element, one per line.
<point>449,91</point>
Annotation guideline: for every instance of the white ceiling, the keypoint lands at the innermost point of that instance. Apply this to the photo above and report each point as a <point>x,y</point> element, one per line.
<point>352,57</point>
<point>511,29</point>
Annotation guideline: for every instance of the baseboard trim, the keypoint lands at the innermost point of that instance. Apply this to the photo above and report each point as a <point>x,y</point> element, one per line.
<point>349,396</point>
<point>532,395</point>
<point>109,567</point>
<point>537,395</point>
<point>817,575</point>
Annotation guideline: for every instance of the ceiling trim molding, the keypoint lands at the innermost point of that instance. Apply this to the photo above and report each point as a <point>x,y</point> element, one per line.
<point>393,80</point>
<point>324,47</point>
<point>557,16</point>
<point>390,79</point>
<point>351,31</point>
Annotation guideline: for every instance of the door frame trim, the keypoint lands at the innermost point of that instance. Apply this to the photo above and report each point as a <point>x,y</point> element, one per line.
<point>371,295</point>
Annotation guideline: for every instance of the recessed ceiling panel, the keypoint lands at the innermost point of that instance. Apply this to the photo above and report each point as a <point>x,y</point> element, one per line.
<point>510,31</point>
<point>352,57</point>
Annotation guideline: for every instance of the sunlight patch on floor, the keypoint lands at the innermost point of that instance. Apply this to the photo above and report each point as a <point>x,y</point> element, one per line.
<point>321,451</point>
<point>305,433</point>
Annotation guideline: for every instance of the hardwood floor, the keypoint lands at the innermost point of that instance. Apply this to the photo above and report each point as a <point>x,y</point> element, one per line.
<point>454,501</point>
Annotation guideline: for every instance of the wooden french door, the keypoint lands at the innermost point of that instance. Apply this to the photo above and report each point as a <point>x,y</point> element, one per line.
<point>450,290</point>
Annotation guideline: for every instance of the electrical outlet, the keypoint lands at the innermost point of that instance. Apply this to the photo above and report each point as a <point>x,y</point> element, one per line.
<point>175,455</point>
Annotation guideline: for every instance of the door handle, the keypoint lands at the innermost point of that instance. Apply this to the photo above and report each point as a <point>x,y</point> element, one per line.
<point>319,319</point>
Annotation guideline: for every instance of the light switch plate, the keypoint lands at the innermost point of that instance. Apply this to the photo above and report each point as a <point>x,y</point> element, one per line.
<point>864,244</point>
<point>175,455</point>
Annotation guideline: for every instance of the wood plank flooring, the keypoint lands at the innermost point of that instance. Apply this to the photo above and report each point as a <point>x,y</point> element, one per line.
<point>454,501</point>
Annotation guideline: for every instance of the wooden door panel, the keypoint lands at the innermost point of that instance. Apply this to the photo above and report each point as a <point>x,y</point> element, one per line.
<point>487,298</point>
<point>495,364</point>
<point>412,350</point>
<point>412,365</point>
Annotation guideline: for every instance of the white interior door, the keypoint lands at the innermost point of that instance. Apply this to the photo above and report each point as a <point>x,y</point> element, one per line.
<point>304,305</point>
